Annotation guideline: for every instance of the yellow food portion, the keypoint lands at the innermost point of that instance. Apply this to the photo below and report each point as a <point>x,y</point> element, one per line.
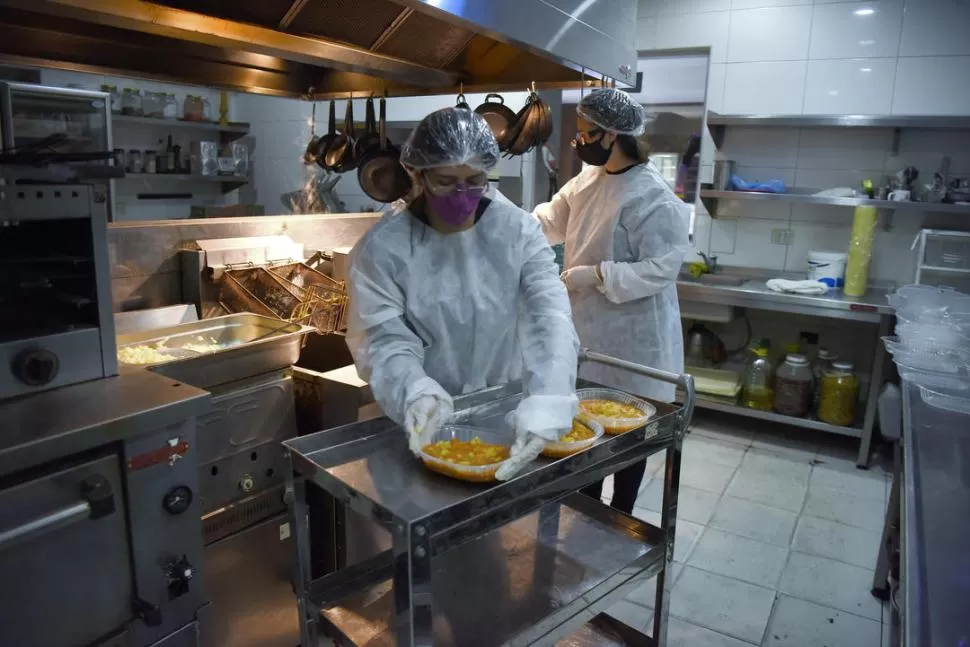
<point>578,432</point>
<point>473,453</point>
<point>610,409</point>
<point>143,354</point>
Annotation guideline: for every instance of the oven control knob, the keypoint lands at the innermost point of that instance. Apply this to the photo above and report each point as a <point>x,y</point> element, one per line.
<point>177,500</point>
<point>247,483</point>
<point>180,574</point>
<point>36,367</point>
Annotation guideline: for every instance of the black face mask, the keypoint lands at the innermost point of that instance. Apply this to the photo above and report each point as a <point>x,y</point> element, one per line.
<point>593,153</point>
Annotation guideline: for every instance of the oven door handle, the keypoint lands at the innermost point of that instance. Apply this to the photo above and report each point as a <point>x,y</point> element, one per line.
<point>97,501</point>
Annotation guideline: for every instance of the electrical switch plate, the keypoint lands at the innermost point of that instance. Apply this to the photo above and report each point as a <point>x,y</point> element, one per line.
<point>782,236</point>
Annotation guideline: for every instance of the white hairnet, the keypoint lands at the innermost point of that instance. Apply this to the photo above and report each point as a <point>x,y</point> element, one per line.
<point>613,110</point>
<point>451,137</point>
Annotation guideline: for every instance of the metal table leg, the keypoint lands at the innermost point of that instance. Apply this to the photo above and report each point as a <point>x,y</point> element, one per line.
<point>295,495</point>
<point>413,596</point>
<point>872,398</point>
<point>668,523</point>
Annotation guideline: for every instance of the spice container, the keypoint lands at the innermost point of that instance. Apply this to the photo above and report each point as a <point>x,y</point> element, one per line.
<point>757,391</point>
<point>134,161</point>
<point>192,108</point>
<point>838,395</point>
<point>131,103</point>
<point>793,386</point>
<point>170,107</point>
<point>151,104</point>
<point>120,159</point>
<point>151,162</point>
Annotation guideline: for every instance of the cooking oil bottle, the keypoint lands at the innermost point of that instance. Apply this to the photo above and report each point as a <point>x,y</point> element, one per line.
<point>757,390</point>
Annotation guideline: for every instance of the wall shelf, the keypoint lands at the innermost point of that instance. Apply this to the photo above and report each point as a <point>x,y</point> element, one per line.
<point>717,123</point>
<point>228,132</point>
<point>712,198</point>
<point>228,182</point>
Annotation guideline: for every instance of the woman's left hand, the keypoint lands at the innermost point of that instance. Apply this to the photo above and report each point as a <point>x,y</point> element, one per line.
<point>581,277</point>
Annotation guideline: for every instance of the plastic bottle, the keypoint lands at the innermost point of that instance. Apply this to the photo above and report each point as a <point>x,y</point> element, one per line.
<point>757,391</point>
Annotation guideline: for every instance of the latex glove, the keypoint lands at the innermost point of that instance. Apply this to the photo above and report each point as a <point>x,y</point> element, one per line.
<point>526,448</point>
<point>581,277</point>
<point>423,418</point>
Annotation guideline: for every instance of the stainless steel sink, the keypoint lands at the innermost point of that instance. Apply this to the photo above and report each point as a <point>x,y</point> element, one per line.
<point>712,279</point>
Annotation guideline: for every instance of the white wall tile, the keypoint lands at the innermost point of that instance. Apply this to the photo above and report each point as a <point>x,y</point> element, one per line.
<point>769,210</point>
<point>762,147</point>
<point>700,30</point>
<point>932,86</point>
<point>819,214</point>
<point>680,7</point>
<point>843,148</point>
<point>753,246</point>
<point>771,34</point>
<point>854,86</point>
<point>769,88</point>
<point>935,28</point>
<point>702,234</point>
<point>715,87</point>
<point>811,236</point>
<point>647,33</point>
<point>856,29</point>
<point>724,235</point>
<point>836,178</point>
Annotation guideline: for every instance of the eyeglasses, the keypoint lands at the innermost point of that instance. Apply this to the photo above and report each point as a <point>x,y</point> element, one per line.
<point>448,185</point>
<point>587,137</point>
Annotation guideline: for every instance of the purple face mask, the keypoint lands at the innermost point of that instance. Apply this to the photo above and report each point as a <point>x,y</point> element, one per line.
<point>456,208</point>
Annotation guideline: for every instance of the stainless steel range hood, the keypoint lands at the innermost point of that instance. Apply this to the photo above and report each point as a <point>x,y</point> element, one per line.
<point>336,47</point>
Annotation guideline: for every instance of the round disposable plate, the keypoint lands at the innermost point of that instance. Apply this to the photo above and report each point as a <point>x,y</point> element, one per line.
<point>611,424</point>
<point>473,473</point>
<point>564,449</point>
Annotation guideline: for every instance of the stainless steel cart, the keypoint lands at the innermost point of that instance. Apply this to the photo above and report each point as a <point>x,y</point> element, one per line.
<point>526,562</point>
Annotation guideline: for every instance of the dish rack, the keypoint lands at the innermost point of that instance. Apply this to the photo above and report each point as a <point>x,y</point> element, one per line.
<point>943,258</point>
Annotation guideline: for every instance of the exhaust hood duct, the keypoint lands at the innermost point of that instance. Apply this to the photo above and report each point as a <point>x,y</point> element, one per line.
<point>283,47</point>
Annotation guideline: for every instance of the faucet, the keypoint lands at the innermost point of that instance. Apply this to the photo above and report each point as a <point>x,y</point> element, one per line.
<point>710,261</point>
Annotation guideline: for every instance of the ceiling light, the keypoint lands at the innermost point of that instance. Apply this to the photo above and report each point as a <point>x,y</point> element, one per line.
<point>864,12</point>
<point>865,69</point>
<point>867,42</point>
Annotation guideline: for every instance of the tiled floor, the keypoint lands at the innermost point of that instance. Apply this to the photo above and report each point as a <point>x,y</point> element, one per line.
<point>776,541</point>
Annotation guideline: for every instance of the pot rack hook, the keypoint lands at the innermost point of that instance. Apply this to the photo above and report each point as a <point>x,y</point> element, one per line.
<point>582,82</point>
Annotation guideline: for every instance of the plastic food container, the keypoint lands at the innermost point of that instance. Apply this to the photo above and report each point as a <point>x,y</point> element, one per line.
<point>561,449</point>
<point>473,473</point>
<point>827,268</point>
<point>957,401</point>
<point>611,424</point>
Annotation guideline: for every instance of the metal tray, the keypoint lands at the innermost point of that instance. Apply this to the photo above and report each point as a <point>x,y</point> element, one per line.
<point>254,345</point>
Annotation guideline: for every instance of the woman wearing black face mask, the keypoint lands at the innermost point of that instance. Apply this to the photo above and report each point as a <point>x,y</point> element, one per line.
<point>625,235</point>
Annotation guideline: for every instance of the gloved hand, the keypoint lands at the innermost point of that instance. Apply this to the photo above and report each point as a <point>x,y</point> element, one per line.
<point>526,448</point>
<point>423,418</point>
<point>581,277</point>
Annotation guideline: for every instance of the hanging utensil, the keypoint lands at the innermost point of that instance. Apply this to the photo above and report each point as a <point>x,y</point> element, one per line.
<point>370,139</point>
<point>499,117</point>
<point>310,152</point>
<point>340,154</point>
<point>460,101</point>
<point>380,173</point>
<point>324,143</point>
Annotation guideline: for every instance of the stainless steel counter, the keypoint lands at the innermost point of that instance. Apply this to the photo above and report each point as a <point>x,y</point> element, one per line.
<point>754,293</point>
<point>51,425</point>
<point>935,554</point>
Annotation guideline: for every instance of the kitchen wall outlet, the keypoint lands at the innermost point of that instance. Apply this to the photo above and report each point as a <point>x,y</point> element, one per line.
<point>782,236</point>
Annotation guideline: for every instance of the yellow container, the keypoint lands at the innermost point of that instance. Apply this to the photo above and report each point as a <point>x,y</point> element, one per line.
<point>860,251</point>
<point>838,395</point>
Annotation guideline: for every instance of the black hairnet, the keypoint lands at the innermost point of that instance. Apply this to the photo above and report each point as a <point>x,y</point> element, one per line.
<point>451,137</point>
<point>613,110</point>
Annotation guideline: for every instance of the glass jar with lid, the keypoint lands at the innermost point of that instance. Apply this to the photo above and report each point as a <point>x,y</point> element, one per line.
<point>131,102</point>
<point>153,104</point>
<point>192,108</point>
<point>135,164</point>
<point>170,110</point>
<point>151,162</point>
<point>838,395</point>
<point>757,391</point>
<point>793,386</point>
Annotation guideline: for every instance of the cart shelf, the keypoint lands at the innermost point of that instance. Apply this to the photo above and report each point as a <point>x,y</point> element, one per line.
<point>556,564</point>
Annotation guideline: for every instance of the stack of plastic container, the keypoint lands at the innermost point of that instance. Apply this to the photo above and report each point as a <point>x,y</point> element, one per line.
<point>931,348</point>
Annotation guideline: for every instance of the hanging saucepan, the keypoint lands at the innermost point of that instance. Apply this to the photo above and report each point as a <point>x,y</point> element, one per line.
<point>380,173</point>
<point>324,142</point>
<point>499,118</point>
<point>461,103</point>
<point>370,138</point>
<point>546,131</point>
<point>340,154</point>
<point>310,152</point>
<point>525,129</point>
